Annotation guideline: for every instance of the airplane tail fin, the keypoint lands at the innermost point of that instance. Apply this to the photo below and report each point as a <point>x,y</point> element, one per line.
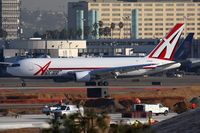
<point>166,48</point>
<point>184,50</point>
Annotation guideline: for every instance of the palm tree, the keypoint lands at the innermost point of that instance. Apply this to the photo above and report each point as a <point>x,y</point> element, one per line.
<point>101,28</point>
<point>107,31</point>
<point>79,33</point>
<point>101,24</point>
<point>86,31</point>
<point>121,25</point>
<point>112,27</point>
<point>94,32</point>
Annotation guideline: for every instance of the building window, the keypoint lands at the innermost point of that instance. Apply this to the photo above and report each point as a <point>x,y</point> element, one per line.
<point>94,4</point>
<point>126,14</point>
<point>148,19</point>
<point>126,4</point>
<point>180,14</point>
<point>148,24</point>
<point>180,9</point>
<point>148,5</point>
<point>126,9</point>
<point>169,9</point>
<point>157,5</point>
<point>159,24</point>
<point>169,19</point>
<point>116,9</point>
<point>148,29</point>
<point>169,5</point>
<point>190,14</point>
<point>180,4</point>
<point>105,19</point>
<point>116,14</point>
<point>191,9</point>
<point>159,29</point>
<point>148,14</point>
<point>148,9</point>
<point>191,5</point>
<point>105,14</point>
<point>105,9</point>
<point>116,4</point>
<point>158,19</point>
<point>158,9</point>
<point>138,5</point>
<point>116,19</point>
<point>159,14</point>
<point>179,19</point>
<point>169,24</point>
<point>105,4</point>
<point>170,14</point>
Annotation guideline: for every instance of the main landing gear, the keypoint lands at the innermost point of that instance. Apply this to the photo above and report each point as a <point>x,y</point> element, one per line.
<point>99,83</point>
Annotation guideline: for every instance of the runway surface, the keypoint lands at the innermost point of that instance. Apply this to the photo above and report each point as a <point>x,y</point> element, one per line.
<point>116,86</point>
<point>164,81</point>
<point>42,121</point>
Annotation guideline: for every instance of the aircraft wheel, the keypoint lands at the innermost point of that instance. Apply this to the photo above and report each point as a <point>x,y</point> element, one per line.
<point>23,84</point>
<point>105,83</point>
<point>100,83</point>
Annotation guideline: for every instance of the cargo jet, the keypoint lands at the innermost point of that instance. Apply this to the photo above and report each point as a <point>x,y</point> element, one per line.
<point>90,70</point>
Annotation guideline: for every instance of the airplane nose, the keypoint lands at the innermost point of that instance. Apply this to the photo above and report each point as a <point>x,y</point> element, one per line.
<point>8,70</point>
<point>12,71</point>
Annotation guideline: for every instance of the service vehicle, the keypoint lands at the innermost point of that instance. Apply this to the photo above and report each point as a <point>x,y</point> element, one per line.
<point>153,108</point>
<point>66,110</point>
<point>48,109</point>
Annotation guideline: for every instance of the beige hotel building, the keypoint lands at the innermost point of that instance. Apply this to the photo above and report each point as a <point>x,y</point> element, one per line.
<point>141,19</point>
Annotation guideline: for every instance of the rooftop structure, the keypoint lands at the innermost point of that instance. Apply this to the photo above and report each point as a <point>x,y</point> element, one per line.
<point>10,17</point>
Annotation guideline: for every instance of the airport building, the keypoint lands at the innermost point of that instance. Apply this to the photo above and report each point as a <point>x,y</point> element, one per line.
<point>10,18</point>
<point>139,19</point>
<point>36,47</point>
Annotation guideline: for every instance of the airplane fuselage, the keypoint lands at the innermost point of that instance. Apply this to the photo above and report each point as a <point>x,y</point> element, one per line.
<point>52,67</point>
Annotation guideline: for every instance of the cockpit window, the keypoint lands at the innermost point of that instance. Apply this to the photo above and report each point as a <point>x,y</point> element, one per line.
<point>15,65</point>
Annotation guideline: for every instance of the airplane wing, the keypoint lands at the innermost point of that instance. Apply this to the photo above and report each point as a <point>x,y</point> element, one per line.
<point>6,63</point>
<point>115,71</point>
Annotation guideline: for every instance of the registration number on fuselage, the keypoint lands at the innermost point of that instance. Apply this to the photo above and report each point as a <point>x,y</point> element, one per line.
<point>52,72</point>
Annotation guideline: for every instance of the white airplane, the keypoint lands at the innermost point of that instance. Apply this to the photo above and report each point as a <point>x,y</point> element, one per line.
<point>93,69</point>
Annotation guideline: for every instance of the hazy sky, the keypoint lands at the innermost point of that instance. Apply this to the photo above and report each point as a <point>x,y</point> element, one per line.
<point>55,5</point>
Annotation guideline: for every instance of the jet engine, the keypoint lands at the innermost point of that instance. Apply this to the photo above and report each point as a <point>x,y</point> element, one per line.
<point>83,76</point>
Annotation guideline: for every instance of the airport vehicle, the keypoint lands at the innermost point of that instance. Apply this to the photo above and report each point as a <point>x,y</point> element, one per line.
<point>47,109</point>
<point>66,110</point>
<point>153,108</point>
<point>100,69</point>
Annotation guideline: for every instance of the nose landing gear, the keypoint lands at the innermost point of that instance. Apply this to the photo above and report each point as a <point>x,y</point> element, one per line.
<point>23,83</point>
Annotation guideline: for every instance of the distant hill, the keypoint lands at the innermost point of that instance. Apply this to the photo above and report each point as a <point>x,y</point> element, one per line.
<point>41,21</point>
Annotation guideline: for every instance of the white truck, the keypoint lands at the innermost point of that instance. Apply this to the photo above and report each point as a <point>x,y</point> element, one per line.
<point>67,110</point>
<point>153,108</point>
<point>48,109</point>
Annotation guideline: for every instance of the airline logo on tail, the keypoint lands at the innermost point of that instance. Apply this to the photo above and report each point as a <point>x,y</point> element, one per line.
<point>166,48</point>
<point>43,69</point>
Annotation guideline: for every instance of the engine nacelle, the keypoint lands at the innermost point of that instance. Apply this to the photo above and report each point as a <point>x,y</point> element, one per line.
<point>83,76</point>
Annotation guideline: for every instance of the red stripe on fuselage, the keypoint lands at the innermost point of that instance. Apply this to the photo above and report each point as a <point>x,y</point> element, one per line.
<point>87,68</point>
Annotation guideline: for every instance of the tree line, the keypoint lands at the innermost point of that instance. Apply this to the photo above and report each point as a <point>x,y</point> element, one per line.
<point>97,29</point>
